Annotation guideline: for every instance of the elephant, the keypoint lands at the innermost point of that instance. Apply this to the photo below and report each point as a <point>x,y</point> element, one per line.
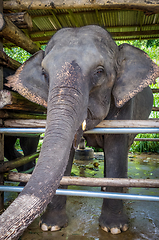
<point>82,76</point>
<point>28,144</point>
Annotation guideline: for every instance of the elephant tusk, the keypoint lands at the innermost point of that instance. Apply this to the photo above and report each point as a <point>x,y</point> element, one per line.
<point>84,125</point>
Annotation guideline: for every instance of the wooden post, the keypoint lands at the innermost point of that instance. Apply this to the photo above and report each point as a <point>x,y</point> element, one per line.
<point>20,19</point>
<point>13,34</point>
<point>1,135</point>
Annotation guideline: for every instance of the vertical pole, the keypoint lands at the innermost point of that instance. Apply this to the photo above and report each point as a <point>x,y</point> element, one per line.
<point>1,135</point>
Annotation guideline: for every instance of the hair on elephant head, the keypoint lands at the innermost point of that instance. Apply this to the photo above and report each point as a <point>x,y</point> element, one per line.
<point>82,75</point>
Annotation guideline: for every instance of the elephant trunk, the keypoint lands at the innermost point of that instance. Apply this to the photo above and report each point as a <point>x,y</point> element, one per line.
<point>64,116</point>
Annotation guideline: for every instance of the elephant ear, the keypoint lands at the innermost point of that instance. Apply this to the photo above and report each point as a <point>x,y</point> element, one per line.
<point>135,71</point>
<point>30,81</point>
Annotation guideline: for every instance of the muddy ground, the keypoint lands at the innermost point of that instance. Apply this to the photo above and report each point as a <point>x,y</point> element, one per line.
<point>83,212</point>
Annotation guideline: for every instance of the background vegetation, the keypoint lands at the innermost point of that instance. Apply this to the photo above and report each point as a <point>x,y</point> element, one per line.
<point>151,47</point>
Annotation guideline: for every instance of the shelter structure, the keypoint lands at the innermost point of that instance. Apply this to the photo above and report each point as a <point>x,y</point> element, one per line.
<point>30,24</point>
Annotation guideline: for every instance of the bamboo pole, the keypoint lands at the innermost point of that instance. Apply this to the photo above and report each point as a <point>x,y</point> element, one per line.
<point>95,182</point>
<point>7,166</point>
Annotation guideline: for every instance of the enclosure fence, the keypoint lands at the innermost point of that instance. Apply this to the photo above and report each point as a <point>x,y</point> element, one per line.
<point>105,127</point>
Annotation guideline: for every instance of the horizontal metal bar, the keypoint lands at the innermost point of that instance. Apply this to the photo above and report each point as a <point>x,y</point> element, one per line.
<point>123,130</point>
<point>83,193</point>
<point>19,131</point>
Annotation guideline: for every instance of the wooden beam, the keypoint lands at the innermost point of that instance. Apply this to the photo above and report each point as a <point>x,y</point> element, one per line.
<point>155,90</point>
<point>106,27</point>
<point>28,123</point>
<point>147,139</point>
<point>18,102</point>
<point>7,61</point>
<point>20,19</point>
<point>44,40</point>
<point>113,34</point>
<point>128,123</point>
<point>2,22</point>
<point>9,114</point>
<point>147,6</point>
<point>9,165</point>
<point>155,109</point>
<point>95,182</point>
<point>15,35</point>
<point>134,33</point>
<point>33,123</point>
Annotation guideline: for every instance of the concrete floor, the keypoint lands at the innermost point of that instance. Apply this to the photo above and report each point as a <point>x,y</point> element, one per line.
<point>83,212</point>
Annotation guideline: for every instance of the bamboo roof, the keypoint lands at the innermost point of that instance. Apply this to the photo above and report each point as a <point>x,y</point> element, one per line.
<point>124,19</point>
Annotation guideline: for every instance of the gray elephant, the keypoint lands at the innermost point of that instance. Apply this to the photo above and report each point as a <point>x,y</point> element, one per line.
<point>82,75</point>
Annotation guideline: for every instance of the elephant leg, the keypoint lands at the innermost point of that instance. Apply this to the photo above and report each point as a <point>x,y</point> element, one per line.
<point>9,149</point>
<point>29,146</point>
<point>55,217</point>
<point>112,217</point>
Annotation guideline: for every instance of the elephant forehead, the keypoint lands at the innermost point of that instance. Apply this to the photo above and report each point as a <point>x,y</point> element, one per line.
<point>86,55</point>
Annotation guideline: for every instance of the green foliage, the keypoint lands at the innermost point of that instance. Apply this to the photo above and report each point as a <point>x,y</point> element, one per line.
<point>17,54</point>
<point>145,146</point>
<point>152,43</point>
<point>151,47</point>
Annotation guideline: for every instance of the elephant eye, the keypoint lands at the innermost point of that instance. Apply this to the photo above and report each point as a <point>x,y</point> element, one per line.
<point>97,76</point>
<point>99,70</point>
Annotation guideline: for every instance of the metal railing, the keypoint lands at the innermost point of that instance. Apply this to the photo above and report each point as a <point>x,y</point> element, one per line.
<point>67,192</point>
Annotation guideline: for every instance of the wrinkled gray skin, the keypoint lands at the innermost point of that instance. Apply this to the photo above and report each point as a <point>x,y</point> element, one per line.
<point>82,75</point>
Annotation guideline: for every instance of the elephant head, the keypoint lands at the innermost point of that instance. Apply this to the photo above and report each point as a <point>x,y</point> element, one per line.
<point>74,78</point>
